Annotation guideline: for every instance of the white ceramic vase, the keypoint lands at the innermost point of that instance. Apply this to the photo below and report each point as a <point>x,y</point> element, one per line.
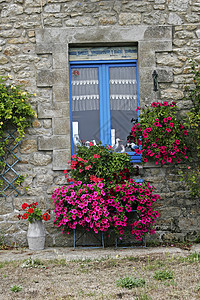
<point>36,235</point>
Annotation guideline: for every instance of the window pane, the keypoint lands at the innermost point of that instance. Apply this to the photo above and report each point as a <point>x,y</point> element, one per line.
<point>85,104</point>
<point>123,103</point>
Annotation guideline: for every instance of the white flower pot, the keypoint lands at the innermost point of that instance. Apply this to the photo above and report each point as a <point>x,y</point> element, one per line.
<point>36,235</point>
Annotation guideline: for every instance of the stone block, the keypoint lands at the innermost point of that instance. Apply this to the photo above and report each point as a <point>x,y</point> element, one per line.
<point>47,112</point>
<point>47,123</point>
<point>61,92</point>
<point>147,59</point>
<point>145,46</point>
<point>36,124</point>
<point>178,5</point>
<point>130,19</point>
<point>45,78</point>
<point>61,76</point>
<point>60,159</point>
<point>86,21</point>
<point>107,20</point>
<point>6,206</point>
<point>52,8</point>
<point>165,75</point>
<point>11,10</point>
<point>52,21</point>
<point>61,126</point>
<point>28,146</point>
<point>54,142</point>
<point>11,50</point>
<point>39,159</point>
<point>44,48</point>
<point>44,180</point>
<point>60,60</point>
<point>158,32</point>
<point>3,60</point>
<point>175,19</point>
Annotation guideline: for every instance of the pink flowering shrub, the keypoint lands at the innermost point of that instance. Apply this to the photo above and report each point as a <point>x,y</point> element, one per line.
<point>99,202</point>
<point>160,135</point>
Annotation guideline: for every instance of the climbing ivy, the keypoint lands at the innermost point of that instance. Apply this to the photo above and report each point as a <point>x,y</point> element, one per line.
<point>15,111</point>
<point>192,93</point>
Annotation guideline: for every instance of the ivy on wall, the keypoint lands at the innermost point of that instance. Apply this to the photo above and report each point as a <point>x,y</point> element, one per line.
<point>15,116</point>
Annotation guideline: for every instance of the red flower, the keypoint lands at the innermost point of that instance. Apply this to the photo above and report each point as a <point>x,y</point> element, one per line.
<point>24,206</point>
<point>30,210</point>
<point>25,216</point>
<point>46,216</point>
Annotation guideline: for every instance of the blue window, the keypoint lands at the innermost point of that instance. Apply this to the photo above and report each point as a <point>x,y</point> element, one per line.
<point>103,97</point>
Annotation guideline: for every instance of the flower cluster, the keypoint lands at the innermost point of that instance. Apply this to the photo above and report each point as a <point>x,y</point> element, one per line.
<point>99,163</point>
<point>159,134</point>
<point>94,206</point>
<point>33,213</point>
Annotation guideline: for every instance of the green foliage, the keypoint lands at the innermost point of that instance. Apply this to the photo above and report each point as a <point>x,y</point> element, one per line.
<point>33,263</point>
<point>163,275</point>
<point>194,257</point>
<point>192,173</point>
<point>16,288</point>
<point>143,297</point>
<point>100,162</point>
<point>130,282</point>
<point>197,240</point>
<point>14,111</point>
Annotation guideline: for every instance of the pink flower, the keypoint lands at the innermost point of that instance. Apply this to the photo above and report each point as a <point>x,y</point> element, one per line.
<point>171,124</point>
<point>156,124</point>
<point>165,103</point>
<point>169,159</point>
<point>178,142</point>
<point>154,145</point>
<point>137,151</point>
<point>168,129</point>
<point>178,160</point>
<point>145,135</point>
<point>154,104</point>
<point>145,159</point>
<point>148,129</point>
<point>185,132</point>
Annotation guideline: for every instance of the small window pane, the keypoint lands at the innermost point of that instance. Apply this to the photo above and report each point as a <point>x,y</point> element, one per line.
<point>85,105</point>
<point>123,103</point>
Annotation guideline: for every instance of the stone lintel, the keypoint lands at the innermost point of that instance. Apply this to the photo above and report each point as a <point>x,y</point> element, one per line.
<point>103,34</point>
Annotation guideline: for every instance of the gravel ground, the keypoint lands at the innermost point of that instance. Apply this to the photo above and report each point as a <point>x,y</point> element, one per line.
<point>64,273</point>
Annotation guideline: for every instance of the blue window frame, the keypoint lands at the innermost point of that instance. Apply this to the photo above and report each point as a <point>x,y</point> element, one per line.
<point>104,96</point>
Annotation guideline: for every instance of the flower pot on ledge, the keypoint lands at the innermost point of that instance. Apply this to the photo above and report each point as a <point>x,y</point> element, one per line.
<point>36,235</point>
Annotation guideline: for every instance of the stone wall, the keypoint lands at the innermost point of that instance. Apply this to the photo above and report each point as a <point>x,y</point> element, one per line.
<point>34,40</point>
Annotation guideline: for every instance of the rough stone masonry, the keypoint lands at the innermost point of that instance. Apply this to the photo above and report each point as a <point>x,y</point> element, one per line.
<point>34,40</point>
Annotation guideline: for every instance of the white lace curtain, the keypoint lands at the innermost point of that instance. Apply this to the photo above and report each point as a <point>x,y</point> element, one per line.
<point>122,83</point>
